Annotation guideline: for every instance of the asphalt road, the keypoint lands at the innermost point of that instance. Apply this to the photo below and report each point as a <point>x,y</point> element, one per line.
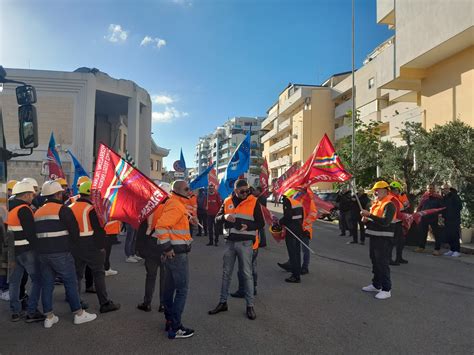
<point>430,312</point>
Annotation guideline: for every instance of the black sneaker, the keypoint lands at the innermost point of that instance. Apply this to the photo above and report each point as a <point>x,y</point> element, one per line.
<point>210,243</point>
<point>293,279</point>
<point>180,333</point>
<point>238,294</point>
<point>394,263</point>
<point>402,261</point>
<point>17,316</point>
<point>304,271</point>
<point>144,307</point>
<point>109,307</point>
<point>35,317</point>
<point>284,266</point>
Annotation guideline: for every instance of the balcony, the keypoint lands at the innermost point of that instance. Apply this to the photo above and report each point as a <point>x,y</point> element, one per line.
<point>297,98</point>
<point>270,118</point>
<point>415,115</point>
<point>283,144</point>
<point>269,134</point>
<point>386,12</point>
<point>342,109</point>
<point>283,161</point>
<point>283,126</point>
<point>225,156</point>
<point>342,132</point>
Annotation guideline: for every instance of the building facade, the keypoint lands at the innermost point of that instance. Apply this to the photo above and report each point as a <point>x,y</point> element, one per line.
<point>82,109</point>
<point>156,161</point>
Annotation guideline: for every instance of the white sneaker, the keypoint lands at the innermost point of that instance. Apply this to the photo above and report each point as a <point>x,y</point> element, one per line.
<point>383,295</point>
<point>49,322</point>
<point>370,288</point>
<point>110,272</point>
<point>456,254</point>
<point>131,259</point>
<point>84,317</point>
<point>137,257</point>
<point>5,296</point>
<point>449,253</point>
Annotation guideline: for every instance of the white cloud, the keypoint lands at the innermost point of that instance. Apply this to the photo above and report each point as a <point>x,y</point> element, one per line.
<point>162,99</point>
<point>116,34</point>
<point>148,40</point>
<point>182,2</point>
<point>170,114</point>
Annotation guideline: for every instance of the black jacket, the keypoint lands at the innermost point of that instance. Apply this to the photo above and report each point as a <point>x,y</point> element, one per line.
<point>295,225</point>
<point>452,213</point>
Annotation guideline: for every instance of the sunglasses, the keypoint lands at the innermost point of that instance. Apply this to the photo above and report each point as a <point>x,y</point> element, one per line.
<point>244,192</point>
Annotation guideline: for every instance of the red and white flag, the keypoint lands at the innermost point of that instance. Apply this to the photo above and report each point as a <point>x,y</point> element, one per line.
<point>121,192</point>
<point>264,178</point>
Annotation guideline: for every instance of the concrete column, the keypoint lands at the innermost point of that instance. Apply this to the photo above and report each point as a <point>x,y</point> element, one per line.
<point>133,137</point>
<point>144,153</point>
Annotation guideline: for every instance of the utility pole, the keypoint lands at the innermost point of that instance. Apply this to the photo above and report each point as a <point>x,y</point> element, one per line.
<point>353,83</point>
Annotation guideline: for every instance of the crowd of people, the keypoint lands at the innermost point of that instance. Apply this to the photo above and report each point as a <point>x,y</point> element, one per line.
<point>58,239</point>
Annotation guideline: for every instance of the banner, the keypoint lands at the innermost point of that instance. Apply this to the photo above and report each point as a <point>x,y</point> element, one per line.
<point>54,162</point>
<point>408,219</point>
<point>121,192</point>
<point>322,166</point>
<point>264,178</point>
<point>78,172</point>
<point>239,164</point>
<point>276,185</point>
<point>202,180</point>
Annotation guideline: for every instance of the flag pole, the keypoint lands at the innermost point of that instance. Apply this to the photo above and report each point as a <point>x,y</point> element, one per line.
<point>302,243</point>
<point>351,183</point>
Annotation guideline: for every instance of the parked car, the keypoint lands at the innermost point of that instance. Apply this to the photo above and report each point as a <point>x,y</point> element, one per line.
<point>331,198</point>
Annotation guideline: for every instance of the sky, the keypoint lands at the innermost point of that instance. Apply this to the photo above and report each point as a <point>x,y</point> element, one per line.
<point>202,61</point>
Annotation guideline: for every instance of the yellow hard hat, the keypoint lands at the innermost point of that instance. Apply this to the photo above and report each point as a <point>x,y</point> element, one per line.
<point>380,185</point>
<point>82,179</point>
<point>85,188</point>
<point>10,184</point>
<point>62,181</point>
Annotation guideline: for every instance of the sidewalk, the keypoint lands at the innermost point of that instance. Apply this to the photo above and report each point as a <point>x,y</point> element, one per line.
<point>465,248</point>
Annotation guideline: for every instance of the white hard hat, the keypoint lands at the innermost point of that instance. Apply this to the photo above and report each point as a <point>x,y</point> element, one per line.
<point>50,188</point>
<point>23,186</point>
<point>32,181</point>
<point>165,186</point>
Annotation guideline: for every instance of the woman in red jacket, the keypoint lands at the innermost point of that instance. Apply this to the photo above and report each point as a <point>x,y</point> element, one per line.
<point>213,203</point>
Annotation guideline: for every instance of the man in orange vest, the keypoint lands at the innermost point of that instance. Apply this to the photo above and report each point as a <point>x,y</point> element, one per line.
<point>401,204</point>
<point>240,293</point>
<point>172,229</point>
<point>56,228</point>
<point>242,217</point>
<point>89,248</point>
<point>21,223</point>
<point>380,229</point>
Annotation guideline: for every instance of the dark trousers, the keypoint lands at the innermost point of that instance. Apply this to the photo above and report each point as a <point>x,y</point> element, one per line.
<point>294,253</point>
<point>398,242</point>
<point>453,235</point>
<point>423,233</point>
<point>94,258</point>
<point>152,263</point>
<point>379,249</point>
<point>263,237</point>
<point>346,222</point>
<point>202,217</point>
<point>109,241</point>
<point>212,229</point>
<point>89,278</point>
<point>358,223</point>
<point>24,281</point>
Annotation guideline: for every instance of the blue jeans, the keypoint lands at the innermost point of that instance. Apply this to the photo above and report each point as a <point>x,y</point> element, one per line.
<point>61,264</point>
<point>240,274</point>
<point>176,280</point>
<point>306,254</point>
<point>243,252</point>
<point>130,241</point>
<point>25,261</point>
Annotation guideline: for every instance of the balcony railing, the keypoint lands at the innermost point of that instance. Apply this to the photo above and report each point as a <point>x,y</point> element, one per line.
<point>341,110</point>
<point>270,118</point>
<point>282,126</point>
<point>398,122</point>
<point>342,132</point>
<point>269,134</point>
<point>283,144</point>
<point>283,161</point>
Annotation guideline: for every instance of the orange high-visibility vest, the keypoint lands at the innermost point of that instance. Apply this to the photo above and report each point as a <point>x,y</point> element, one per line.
<point>113,227</point>
<point>378,207</point>
<point>15,226</point>
<point>310,218</point>
<point>256,244</point>
<point>81,211</point>
<point>47,221</point>
<point>243,213</point>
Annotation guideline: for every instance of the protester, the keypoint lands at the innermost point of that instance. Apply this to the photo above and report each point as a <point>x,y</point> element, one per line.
<point>130,247</point>
<point>10,185</point>
<point>240,293</point>
<point>292,220</point>
<point>429,200</point>
<point>398,240</point>
<point>242,216</point>
<point>67,190</point>
<point>262,200</point>
<point>191,207</point>
<point>202,213</point>
<point>345,203</point>
<point>213,204</point>
<point>365,203</point>
<point>173,229</point>
<point>56,227</point>
<point>452,219</point>
<point>89,248</point>
<point>381,232</point>
<point>22,224</point>
<point>112,229</point>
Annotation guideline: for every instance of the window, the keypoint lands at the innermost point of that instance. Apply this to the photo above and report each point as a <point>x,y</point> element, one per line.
<point>151,164</point>
<point>158,165</point>
<point>295,150</point>
<point>124,148</point>
<point>371,82</point>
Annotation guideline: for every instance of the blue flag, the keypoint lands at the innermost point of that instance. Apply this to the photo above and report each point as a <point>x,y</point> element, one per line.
<point>181,160</point>
<point>238,165</point>
<point>202,180</point>
<point>52,147</point>
<point>78,172</point>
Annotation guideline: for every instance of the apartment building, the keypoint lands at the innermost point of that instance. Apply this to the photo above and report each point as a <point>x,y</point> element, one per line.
<point>220,145</point>
<point>295,124</point>
<point>156,161</point>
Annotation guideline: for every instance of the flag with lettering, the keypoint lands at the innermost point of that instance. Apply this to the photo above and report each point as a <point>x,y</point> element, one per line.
<point>54,162</point>
<point>264,178</point>
<point>121,192</point>
<point>324,165</point>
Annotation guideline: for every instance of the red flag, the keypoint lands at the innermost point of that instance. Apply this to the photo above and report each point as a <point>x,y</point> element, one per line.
<point>54,168</point>
<point>324,207</point>
<point>264,178</point>
<point>121,192</point>
<point>322,166</point>
<point>277,184</point>
<point>272,220</point>
<point>267,215</point>
<point>408,219</point>
<point>212,178</point>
